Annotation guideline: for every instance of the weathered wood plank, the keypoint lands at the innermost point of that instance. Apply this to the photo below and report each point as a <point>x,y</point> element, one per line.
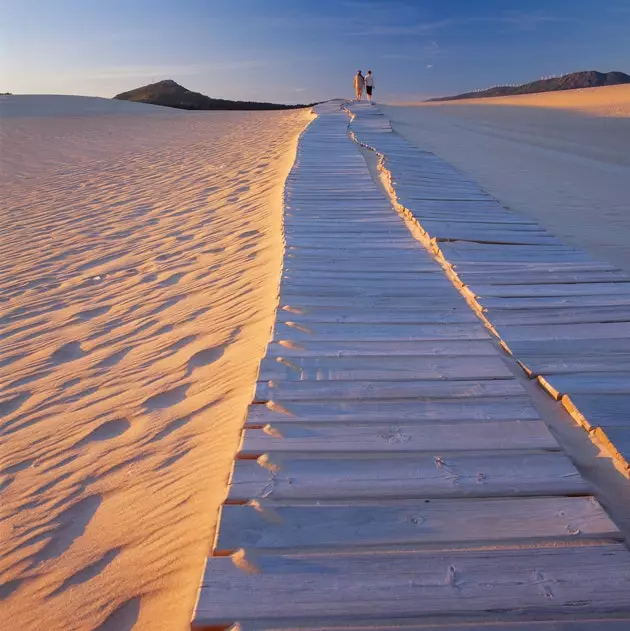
<point>587,383</point>
<point>383,348</point>
<point>367,368</point>
<point>359,586</point>
<point>365,286</point>
<point>545,266</point>
<point>541,290</point>
<point>441,314</point>
<point>599,410</point>
<point>379,332</point>
<point>560,315</point>
<point>392,411</point>
<point>531,332</point>
<point>348,291</point>
<point>483,253</point>
<point>450,300</point>
<point>542,277</point>
<point>364,390</point>
<point>269,525</point>
<point>397,437</point>
<point>571,347</point>
<point>398,476</point>
<point>536,365</point>
<point>493,623</point>
<point>578,302</point>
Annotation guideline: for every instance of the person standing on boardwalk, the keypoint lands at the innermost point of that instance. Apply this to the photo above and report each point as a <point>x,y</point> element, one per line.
<point>369,85</point>
<point>359,84</point>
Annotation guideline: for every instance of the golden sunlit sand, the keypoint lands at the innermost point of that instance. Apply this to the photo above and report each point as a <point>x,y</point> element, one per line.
<point>141,251</point>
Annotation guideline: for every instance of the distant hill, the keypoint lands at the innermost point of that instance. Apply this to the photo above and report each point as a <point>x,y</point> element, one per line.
<point>573,81</point>
<point>170,94</point>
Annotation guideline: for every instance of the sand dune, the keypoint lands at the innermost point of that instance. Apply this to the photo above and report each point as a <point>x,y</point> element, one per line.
<point>562,158</point>
<point>140,257</point>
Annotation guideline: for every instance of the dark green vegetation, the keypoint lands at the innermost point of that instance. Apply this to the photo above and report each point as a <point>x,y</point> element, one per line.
<point>573,81</point>
<point>170,94</point>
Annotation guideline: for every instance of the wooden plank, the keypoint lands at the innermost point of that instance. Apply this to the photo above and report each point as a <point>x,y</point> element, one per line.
<point>392,411</point>
<point>597,410</point>
<point>366,286</point>
<point>383,368</point>
<point>397,437</point>
<point>561,315</point>
<point>359,586</point>
<point>269,525</point>
<point>524,332</point>
<point>587,383</point>
<point>379,332</point>
<point>542,277</point>
<point>331,273</point>
<point>482,253</point>
<point>348,291</point>
<point>536,365</point>
<point>402,476</point>
<point>365,390</point>
<point>571,347</point>
<point>550,267</point>
<point>578,302</point>
<point>540,290</point>
<point>487,624</point>
<point>378,315</point>
<point>447,300</point>
<point>374,348</point>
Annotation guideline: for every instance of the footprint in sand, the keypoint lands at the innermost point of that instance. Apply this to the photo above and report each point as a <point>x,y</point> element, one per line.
<point>173,279</point>
<point>166,399</point>
<point>205,357</point>
<point>106,431</point>
<point>67,352</point>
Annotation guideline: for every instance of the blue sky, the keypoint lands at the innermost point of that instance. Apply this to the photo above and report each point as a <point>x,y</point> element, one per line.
<point>304,50</point>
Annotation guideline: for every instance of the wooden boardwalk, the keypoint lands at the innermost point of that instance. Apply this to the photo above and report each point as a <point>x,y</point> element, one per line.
<point>564,316</point>
<point>393,472</point>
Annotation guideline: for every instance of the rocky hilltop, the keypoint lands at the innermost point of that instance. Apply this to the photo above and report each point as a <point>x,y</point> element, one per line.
<point>170,94</point>
<point>573,81</point>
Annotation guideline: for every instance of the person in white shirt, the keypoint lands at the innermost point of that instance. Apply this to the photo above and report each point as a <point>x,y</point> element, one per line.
<point>369,85</point>
<point>359,84</point>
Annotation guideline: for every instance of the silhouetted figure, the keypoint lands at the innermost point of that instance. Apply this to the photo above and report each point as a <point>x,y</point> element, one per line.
<point>359,84</point>
<point>369,85</point>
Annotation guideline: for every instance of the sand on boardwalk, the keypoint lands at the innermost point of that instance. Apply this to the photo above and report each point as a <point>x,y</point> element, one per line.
<point>561,158</point>
<point>140,253</point>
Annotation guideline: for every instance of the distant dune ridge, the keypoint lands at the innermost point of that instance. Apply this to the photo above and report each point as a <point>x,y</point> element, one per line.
<point>170,94</point>
<point>573,81</point>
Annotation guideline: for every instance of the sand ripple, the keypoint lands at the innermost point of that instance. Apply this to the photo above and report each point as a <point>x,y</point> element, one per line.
<point>138,273</point>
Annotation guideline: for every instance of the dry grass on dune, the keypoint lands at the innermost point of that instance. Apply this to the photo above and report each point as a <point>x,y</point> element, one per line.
<point>138,280</point>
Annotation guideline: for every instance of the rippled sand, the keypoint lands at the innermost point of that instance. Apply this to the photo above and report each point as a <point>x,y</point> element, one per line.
<point>140,252</point>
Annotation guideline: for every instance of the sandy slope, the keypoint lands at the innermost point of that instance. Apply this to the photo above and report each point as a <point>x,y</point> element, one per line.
<point>561,158</point>
<point>139,260</point>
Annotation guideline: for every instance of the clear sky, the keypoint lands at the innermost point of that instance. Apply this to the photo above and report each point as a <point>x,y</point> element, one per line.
<point>304,50</point>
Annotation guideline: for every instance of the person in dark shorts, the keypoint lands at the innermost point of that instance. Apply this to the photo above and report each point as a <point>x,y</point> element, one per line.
<point>369,85</point>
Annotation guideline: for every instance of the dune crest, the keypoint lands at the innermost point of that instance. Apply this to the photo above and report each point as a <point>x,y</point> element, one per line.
<point>140,257</point>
